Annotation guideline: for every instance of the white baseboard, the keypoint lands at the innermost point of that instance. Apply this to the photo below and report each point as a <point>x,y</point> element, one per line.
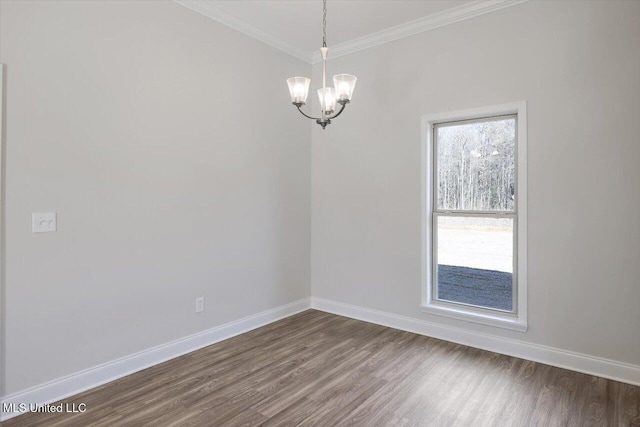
<point>591,365</point>
<point>84,380</point>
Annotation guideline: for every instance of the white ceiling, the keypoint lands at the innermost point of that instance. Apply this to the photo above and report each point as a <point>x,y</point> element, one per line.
<point>296,25</point>
<point>300,22</point>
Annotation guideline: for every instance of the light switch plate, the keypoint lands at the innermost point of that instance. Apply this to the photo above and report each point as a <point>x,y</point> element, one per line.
<point>43,222</point>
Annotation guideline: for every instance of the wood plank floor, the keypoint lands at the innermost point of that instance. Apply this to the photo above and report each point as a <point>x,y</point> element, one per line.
<point>316,368</point>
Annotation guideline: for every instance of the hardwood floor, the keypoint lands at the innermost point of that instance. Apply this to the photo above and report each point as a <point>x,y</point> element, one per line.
<point>316,368</point>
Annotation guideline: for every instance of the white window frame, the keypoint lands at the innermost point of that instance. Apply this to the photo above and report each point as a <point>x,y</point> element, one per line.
<point>516,320</point>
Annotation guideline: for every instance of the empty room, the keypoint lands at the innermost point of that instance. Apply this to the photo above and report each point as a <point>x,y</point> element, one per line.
<point>320,213</point>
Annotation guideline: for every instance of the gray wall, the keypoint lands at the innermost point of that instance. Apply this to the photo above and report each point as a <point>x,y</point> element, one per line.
<point>144,125</point>
<point>578,66</point>
<point>168,146</point>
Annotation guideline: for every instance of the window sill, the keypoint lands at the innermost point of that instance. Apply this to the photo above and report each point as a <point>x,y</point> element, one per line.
<point>505,322</point>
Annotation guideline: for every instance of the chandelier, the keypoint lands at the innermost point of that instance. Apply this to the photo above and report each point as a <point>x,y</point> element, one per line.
<point>328,96</point>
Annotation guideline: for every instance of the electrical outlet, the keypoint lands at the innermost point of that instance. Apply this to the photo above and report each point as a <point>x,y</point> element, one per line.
<point>199,304</point>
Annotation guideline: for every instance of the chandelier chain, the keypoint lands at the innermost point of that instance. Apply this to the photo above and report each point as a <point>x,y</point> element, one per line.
<point>324,23</point>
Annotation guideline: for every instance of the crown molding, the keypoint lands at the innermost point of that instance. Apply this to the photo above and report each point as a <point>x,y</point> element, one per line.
<point>207,9</point>
<point>437,20</point>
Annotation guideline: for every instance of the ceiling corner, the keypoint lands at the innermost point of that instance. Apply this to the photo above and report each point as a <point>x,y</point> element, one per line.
<point>207,9</point>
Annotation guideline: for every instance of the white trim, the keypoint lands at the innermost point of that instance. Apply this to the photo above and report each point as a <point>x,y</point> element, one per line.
<point>429,304</point>
<point>78,382</point>
<point>208,9</point>
<point>84,380</point>
<point>482,318</point>
<point>605,368</point>
<point>430,22</point>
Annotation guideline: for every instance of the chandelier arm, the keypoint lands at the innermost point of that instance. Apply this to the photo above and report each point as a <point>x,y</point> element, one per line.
<point>306,115</point>
<point>338,113</point>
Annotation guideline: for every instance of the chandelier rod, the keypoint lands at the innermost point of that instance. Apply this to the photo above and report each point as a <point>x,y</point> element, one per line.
<point>324,51</point>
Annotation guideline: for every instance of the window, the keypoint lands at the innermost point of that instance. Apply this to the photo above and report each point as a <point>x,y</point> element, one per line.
<point>474,260</point>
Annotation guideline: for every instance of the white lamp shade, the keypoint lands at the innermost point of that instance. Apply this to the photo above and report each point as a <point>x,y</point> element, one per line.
<point>327,99</point>
<point>298,89</point>
<point>344,86</point>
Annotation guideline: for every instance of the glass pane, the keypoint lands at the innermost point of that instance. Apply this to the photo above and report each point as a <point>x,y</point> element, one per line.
<point>476,165</point>
<point>475,261</point>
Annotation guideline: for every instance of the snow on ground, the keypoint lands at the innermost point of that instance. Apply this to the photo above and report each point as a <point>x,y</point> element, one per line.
<point>487,248</point>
